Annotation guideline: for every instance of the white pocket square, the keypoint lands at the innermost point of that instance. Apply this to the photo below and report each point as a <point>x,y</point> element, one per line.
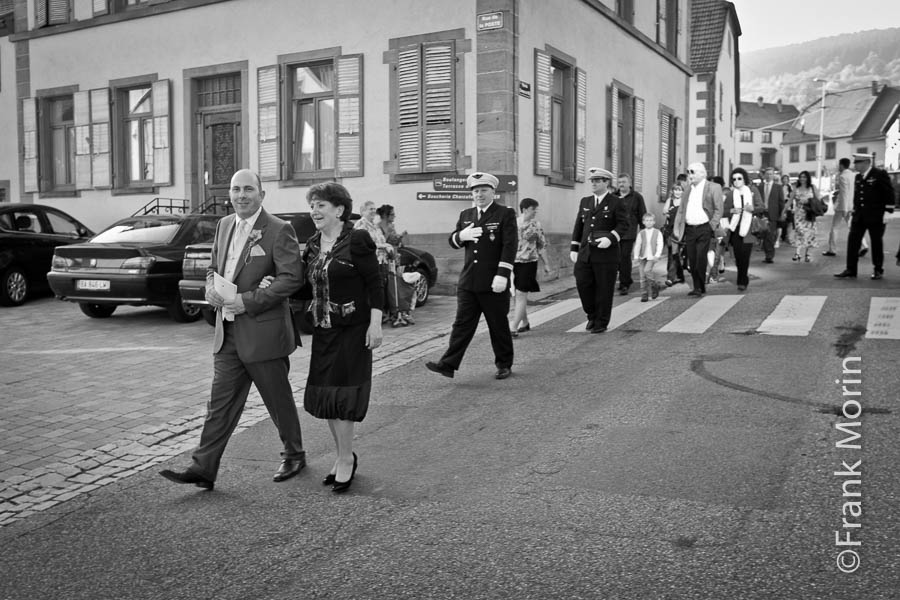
<point>257,251</point>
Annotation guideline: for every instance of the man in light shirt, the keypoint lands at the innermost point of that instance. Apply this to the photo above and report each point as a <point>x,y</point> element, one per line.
<point>696,222</point>
<point>843,204</point>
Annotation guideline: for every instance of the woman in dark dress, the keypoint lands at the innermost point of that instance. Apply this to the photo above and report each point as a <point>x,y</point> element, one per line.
<point>341,272</point>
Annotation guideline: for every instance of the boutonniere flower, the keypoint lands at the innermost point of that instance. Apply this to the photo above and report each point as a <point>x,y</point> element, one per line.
<point>254,237</point>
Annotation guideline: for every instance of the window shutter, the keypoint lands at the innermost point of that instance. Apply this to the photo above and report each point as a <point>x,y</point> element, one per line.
<point>40,13</point>
<point>100,139</point>
<point>268,123</point>
<point>661,27</point>
<point>543,128</point>
<point>101,7</point>
<point>29,146</point>
<point>349,116</point>
<point>580,123</point>
<point>58,12</point>
<point>638,144</point>
<point>439,132</point>
<point>82,121</point>
<point>162,133</point>
<point>409,118</point>
<point>614,128</point>
<point>664,175</point>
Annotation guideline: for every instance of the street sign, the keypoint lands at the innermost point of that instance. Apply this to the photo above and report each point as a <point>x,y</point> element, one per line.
<point>443,196</point>
<point>525,89</point>
<point>489,21</point>
<point>447,183</point>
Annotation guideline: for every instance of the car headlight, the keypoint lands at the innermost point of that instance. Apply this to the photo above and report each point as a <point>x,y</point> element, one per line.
<point>61,263</point>
<point>138,264</point>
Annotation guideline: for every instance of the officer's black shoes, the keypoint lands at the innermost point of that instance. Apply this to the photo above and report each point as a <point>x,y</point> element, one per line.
<point>590,325</point>
<point>439,368</point>
<point>502,373</point>
<point>598,329</point>
<point>877,274</point>
<point>845,274</point>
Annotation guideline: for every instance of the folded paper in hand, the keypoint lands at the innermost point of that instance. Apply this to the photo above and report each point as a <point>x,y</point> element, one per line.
<point>224,288</point>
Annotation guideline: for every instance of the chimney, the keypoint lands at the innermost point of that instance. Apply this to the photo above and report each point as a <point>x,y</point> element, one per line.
<point>874,87</point>
<point>759,102</point>
<point>779,105</point>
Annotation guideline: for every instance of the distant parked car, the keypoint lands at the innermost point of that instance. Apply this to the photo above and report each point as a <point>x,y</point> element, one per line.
<point>137,261</point>
<point>29,233</point>
<point>197,258</point>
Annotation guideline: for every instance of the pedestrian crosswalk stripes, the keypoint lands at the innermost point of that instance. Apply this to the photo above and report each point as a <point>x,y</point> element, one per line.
<point>702,314</point>
<point>794,316</point>
<point>884,319</point>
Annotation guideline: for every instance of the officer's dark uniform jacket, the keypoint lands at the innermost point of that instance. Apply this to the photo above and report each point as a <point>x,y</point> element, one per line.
<point>872,195</point>
<point>608,220</point>
<point>493,253</point>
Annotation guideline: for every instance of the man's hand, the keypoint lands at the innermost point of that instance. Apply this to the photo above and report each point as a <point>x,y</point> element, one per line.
<point>573,256</point>
<point>470,233</point>
<point>499,284</point>
<point>266,282</point>
<point>604,243</point>
<point>213,297</point>
<point>237,305</point>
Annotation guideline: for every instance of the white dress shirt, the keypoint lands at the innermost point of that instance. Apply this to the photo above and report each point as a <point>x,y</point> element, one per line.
<point>694,213</point>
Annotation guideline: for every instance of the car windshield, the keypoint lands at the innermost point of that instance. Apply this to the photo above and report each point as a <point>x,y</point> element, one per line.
<point>139,230</point>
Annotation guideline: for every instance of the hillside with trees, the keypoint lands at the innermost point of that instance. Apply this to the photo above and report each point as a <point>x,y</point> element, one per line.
<point>849,60</point>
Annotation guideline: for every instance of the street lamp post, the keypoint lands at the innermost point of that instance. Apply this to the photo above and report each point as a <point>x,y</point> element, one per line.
<point>821,149</point>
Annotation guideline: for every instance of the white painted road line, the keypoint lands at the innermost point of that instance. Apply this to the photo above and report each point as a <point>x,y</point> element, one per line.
<point>623,313</point>
<point>558,309</point>
<point>794,316</point>
<point>884,319</point>
<point>702,314</point>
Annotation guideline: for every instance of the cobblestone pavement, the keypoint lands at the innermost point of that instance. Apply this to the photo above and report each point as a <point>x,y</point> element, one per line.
<point>85,402</point>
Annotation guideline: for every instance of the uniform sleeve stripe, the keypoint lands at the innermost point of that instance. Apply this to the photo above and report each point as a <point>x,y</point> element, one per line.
<point>618,237</point>
<point>504,265</point>
<point>574,243</point>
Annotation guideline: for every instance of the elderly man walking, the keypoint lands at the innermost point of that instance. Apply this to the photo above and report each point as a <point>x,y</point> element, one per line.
<point>697,221</point>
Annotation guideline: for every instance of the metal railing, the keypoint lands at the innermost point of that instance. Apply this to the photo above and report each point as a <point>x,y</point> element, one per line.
<point>165,206</point>
<point>215,206</point>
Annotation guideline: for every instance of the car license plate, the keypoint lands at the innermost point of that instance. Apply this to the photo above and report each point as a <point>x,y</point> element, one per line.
<point>97,285</point>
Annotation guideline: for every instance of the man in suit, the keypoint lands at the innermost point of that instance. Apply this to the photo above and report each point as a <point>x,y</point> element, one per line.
<point>636,209</point>
<point>873,196</point>
<point>773,197</point>
<point>601,222</point>
<point>843,203</point>
<point>254,335</point>
<point>490,236</point>
<point>697,222</point>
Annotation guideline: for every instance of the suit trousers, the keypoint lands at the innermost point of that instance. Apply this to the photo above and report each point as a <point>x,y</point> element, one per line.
<point>230,387</point>
<point>696,242</point>
<point>625,264</point>
<point>596,283</point>
<point>858,227</point>
<point>770,239</point>
<point>469,308</point>
<point>674,268</point>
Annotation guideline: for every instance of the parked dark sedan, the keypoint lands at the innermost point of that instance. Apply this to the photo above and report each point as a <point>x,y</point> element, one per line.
<point>29,233</point>
<point>197,257</point>
<point>136,261</point>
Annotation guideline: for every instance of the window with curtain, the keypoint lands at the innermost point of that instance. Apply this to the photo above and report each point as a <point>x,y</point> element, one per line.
<point>312,115</point>
<point>61,125</point>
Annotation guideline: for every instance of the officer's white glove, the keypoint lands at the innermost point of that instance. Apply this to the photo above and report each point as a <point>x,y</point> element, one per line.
<point>604,243</point>
<point>573,256</point>
<point>470,233</point>
<point>499,284</point>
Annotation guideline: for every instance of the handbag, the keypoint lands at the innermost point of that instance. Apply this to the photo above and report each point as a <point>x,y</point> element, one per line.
<point>816,207</point>
<point>759,226</point>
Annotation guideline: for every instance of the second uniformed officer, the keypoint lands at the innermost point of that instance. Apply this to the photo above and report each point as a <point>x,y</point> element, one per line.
<point>489,234</point>
<point>599,225</point>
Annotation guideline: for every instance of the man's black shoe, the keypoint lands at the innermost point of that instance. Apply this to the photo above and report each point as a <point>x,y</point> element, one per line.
<point>289,467</point>
<point>599,329</point>
<point>877,274</point>
<point>769,260</point>
<point>624,290</point>
<point>590,325</point>
<point>845,274</point>
<point>188,477</point>
<point>503,373</point>
<point>438,368</point>
<point>829,253</point>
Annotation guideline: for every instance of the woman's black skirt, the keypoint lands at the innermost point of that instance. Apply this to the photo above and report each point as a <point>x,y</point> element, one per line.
<point>340,374</point>
<point>525,276</point>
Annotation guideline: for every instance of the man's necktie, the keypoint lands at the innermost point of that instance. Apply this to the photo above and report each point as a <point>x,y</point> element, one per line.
<point>480,214</point>
<point>768,190</point>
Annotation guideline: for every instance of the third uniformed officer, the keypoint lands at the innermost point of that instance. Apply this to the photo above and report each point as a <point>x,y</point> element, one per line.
<point>599,225</point>
<point>489,234</point>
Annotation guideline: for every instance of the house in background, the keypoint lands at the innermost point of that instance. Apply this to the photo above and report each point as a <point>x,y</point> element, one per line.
<point>761,126</point>
<point>855,120</point>
<point>715,87</point>
<point>8,143</point>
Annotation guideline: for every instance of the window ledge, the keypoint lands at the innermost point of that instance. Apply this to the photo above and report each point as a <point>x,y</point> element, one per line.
<point>408,177</point>
<point>130,191</point>
<point>306,181</point>
<point>59,194</point>
<point>560,182</point>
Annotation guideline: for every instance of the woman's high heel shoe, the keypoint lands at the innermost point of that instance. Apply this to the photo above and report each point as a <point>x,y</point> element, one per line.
<point>340,487</point>
<point>329,479</point>
<point>796,258</point>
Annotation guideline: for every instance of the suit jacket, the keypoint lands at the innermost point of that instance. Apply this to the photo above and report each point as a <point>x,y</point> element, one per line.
<point>872,195</point>
<point>775,201</point>
<point>607,220</point>
<point>843,199</point>
<point>493,253</point>
<point>712,206</point>
<point>264,331</point>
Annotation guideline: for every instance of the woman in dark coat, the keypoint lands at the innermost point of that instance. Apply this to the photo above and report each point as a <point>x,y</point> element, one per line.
<point>742,201</point>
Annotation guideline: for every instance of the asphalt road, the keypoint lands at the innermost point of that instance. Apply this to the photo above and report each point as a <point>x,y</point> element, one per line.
<point>638,463</point>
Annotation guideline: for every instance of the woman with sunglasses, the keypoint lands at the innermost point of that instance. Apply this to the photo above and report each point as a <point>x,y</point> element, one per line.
<point>742,201</point>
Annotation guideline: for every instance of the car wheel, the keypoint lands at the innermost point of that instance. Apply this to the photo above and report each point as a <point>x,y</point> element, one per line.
<point>14,288</point>
<point>209,316</point>
<point>184,313</point>
<point>97,311</point>
<point>422,290</point>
